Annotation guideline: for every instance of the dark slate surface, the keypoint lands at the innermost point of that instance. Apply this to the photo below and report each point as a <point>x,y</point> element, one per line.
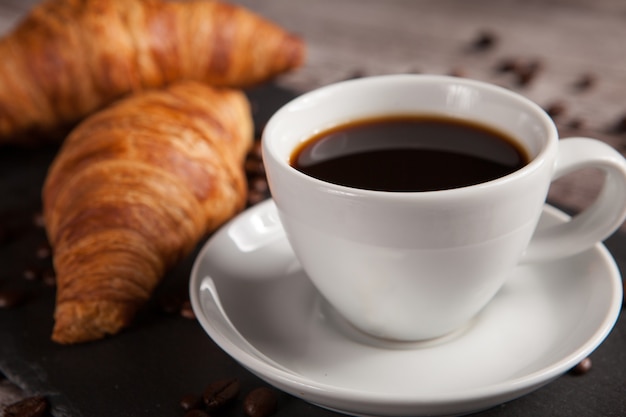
<point>145,370</point>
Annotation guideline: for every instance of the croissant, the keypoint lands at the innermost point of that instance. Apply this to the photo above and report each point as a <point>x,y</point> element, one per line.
<point>69,58</point>
<point>132,190</point>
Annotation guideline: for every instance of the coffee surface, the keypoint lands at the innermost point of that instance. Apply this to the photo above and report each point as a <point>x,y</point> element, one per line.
<point>409,153</point>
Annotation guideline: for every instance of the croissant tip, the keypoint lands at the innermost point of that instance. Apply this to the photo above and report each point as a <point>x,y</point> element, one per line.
<point>79,322</point>
<point>297,51</point>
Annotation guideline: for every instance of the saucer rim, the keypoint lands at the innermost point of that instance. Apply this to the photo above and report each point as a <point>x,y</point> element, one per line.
<point>312,390</point>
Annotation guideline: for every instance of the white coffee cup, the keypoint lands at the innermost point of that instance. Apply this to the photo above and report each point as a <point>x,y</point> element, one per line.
<point>417,265</point>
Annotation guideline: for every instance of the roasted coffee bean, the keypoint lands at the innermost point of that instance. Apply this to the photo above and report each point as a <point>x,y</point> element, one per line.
<point>221,393</point>
<point>38,219</point>
<point>254,106</point>
<point>524,75</point>
<point>28,407</point>
<point>31,273</point>
<point>577,123</point>
<point>255,197</point>
<point>254,167</point>
<point>257,150</point>
<point>582,368</point>
<point>457,72</point>
<point>196,413</point>
<point>534,65</point>
<point>43,251</point>
<point>9,392</point>
<point>259,184</point>
<point>526,72</point>
<point>356,74</point>
<point>485,40</point>
<point>555,109</point>
<point>585,82</point>
<point>12,298</point>
<point>49,278</point>
<point>620,125</point>
<point>260,402</point>
<point>190,402</point>
<point>187,311</point>
<point>508,65</point>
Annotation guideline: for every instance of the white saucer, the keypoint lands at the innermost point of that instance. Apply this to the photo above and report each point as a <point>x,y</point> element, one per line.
<point>252,298</point>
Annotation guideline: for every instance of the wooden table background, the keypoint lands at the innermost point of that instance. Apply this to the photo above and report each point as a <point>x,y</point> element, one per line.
<point>570,39</point>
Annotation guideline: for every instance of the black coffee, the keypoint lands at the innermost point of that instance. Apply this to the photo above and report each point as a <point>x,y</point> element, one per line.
<point>409,153</point>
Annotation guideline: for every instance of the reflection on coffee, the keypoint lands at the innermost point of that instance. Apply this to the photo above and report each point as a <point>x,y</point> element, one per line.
<point>409,153</point>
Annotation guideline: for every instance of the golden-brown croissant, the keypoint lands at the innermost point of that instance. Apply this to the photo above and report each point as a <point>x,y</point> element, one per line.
<point>132,191</point>
<point>68,58</point>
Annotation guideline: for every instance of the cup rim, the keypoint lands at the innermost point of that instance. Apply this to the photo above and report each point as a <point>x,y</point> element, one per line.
<point>269,152</point>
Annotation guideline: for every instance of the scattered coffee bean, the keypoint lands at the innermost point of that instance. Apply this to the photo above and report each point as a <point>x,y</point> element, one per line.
<point>9,392</point>
<point>221,396</point>
<point>255,197</point>
<point>254,106</point>
<point>458,72</point>
<point>260,402</point>
<point>485,40</point>
<point>585,82</point>
<point>555,109</point>
<point>196,413</point>
<point>186,310</point>
<point>12,298</point>
<point>38,219</point>
<point>254,167</point>
<point>259,184</point>
<point>49,278</point>
<point>221,393</point>
<point>28,407</point>
<point>535,65</point>
<point>524,77</point>
<point>620,125</point>
<point>190,402</point>
<point>524,71</point>
<point>170,303</point>
<point>527,72</point>
<point>31,274</point>
<point>577,123</point>
<point>582,368</point>
<point>43,251</point>
<point>257,150</point>
<point>356,74</point>
<point>508,65</point>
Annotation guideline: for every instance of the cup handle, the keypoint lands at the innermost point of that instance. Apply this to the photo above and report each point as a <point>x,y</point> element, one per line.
<point>598,221</point>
